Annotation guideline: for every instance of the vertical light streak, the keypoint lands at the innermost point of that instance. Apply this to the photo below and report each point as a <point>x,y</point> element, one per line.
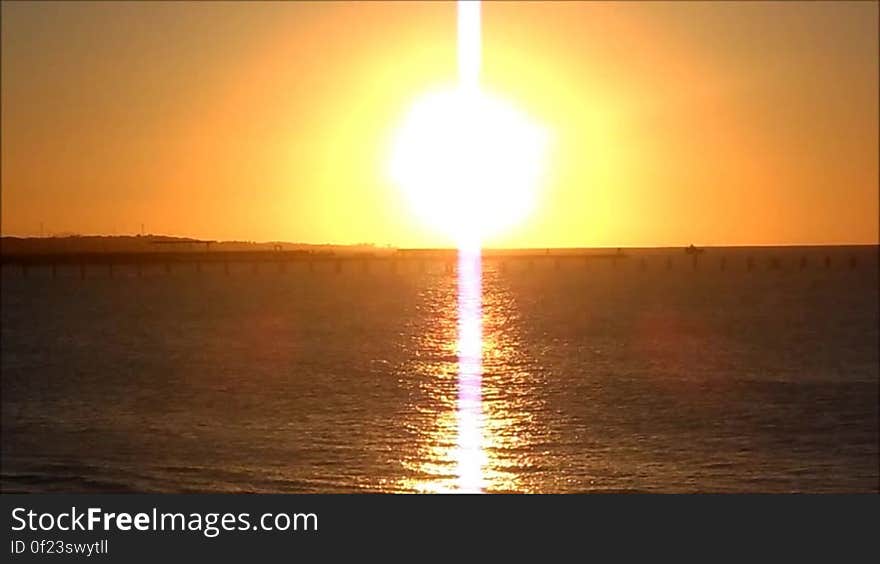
<point>469,52</point>
<point>470,370</point>
<point>470,457</point>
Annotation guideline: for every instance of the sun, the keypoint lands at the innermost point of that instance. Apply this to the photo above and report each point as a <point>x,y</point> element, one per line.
<point>469,163</point>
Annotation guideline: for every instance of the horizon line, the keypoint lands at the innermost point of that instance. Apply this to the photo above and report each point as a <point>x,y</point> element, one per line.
<point>437,248</point>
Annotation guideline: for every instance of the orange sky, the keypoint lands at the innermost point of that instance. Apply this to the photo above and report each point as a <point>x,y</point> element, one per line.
<point>706,123</point>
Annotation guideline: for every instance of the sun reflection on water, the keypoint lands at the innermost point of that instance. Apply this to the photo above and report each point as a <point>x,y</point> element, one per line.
<point>470,457</point>
<point>472,404</point>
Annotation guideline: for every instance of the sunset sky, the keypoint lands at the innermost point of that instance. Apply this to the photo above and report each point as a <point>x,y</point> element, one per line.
<point>668,124</point>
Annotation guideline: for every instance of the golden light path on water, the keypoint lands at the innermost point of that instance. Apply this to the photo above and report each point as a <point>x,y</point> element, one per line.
<point>470,457</point>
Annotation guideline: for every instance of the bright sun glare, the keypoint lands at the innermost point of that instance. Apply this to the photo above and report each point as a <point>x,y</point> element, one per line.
<point>468,162</point>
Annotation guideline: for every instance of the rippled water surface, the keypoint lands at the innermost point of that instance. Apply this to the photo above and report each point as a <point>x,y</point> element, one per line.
<point>593,377</point>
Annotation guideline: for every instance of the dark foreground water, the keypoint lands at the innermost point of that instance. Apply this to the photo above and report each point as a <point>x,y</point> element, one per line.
<point>595,378</point>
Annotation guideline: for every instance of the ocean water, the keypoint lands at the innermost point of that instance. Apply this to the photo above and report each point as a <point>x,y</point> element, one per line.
<point>627,376</point>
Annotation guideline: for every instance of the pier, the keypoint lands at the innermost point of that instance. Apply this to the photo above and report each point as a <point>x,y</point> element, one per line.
<point>173,260</point>
<point>726,261</point>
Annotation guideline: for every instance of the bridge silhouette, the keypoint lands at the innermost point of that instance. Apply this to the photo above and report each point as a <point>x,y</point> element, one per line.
<point>173,259</point>
<point>420,259</point>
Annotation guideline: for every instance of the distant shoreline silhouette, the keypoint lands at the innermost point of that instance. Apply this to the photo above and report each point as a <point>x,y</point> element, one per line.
<point>128,244</point>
